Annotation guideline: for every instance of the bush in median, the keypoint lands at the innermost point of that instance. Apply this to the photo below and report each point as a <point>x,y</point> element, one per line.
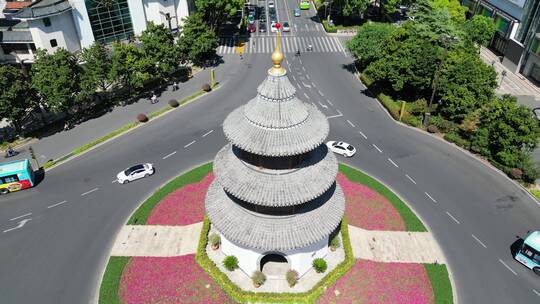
<point>173,103</point>
<point>142,117</point>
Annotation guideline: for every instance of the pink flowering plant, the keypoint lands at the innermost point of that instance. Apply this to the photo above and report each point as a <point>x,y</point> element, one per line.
<point>373,282</point>
<point>168,280</point>
<point>184,206</point>
<point>368,209</point>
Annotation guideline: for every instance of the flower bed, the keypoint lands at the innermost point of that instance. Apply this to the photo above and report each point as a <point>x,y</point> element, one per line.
<point>168,280</point>
<point>365,208</point>
<point>184,206</point>
<point>373,282</point>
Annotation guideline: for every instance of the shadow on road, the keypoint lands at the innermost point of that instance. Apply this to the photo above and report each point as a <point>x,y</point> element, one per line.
<point>514,248</point>
<point>39,176</point>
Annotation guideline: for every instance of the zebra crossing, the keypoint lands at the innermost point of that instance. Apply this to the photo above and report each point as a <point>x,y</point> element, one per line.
<point>289,44</point>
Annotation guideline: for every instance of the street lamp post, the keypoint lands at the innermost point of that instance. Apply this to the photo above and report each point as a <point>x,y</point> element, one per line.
<point>503,74</point>
<point>168,18</point>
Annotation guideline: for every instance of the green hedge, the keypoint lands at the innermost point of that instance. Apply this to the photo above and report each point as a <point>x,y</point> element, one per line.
<point>242,296</point>
<point>140,216</point>
<point>440,283</point>
<point>457,139</point>
<point>412,222</point>
<point>327,28</point>
<point>108,291</point>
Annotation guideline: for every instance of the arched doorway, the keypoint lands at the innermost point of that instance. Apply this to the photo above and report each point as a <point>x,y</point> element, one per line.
<point>274,264</point>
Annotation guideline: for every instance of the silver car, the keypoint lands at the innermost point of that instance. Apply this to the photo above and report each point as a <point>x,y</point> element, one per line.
<point>135,172</point>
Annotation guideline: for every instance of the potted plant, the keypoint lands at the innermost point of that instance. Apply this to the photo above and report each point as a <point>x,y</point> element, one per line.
<point>258,278</point>
<point>230,262</point>
<point>215,241</point>
<point>320,265</point>
<point>292,277</point>
<point>335,243</point>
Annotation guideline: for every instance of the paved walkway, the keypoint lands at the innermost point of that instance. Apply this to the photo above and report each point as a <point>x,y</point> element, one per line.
<point>380,246</point>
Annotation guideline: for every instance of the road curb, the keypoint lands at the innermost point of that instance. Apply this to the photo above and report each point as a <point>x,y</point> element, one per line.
<point>138,125</point>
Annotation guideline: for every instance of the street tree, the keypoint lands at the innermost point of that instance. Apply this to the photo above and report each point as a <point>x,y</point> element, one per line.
<point>96,66</point>
<point>454,8</point>
<point>130,68</point>
<point>197,42</point>
<point>466,84</point>
<point>431,23</point>
<point>15,95</point>
<point>480,29</point>
<point>368,43</point>
<point>215,12</point>
<point>56,78</point>
<point>351,7</point>
<point>159,47</point>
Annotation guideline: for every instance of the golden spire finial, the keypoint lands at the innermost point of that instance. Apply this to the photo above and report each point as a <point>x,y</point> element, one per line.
<point>277,58</point>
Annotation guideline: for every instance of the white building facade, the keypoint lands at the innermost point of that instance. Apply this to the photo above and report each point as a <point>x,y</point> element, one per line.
<point>77,24</point>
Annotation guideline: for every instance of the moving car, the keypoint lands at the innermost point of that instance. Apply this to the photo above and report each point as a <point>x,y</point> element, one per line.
<point>252,28</point>
<point>251,19</point>
<point>286,27</point>
<point>135,172</point>
<point>304,5</point>
<point>342,148</point>
<point>297,12</point>
<point>271,4</point>
<point>273,27</point>
<point>262,26</point>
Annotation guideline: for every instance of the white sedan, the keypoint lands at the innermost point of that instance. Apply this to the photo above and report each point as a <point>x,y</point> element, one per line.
<point>134,173</point>
<point>341,148</point>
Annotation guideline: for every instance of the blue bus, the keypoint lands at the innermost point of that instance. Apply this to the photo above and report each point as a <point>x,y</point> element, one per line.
<point>15,176</point>
<point>529,253</point>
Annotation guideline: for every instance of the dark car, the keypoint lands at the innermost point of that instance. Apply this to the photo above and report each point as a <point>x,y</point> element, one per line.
<point>262,27</point>
<point>252,28</point>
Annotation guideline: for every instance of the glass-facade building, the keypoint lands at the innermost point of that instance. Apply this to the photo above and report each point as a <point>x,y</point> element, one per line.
<point>110,20</point>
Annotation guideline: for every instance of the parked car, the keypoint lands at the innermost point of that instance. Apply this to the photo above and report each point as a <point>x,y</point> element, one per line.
<point>252,28</point>
<point>297,12</point>
<point>262,27</point>
<point>271,4</point>
<point>273,27</point>
<point>135,172</point>
<point>286,27</point>
<point>342,148</point>
<point>251,19</point>
<point>304,5</point>
<point>272,13</point>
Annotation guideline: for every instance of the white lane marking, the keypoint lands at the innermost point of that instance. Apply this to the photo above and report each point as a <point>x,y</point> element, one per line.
<point>306,95</point>
<point>363,135</point>
<point>378,149</point>
<point>208,133</point>
<point>335,116</point>
<point>306,85</point>
<point>393,163</point>
<point>323,105</point>
<point>536,292</point>
<point>57,204</point>
<point>191,143</point>
<point>307,76</point>
<point>430,197</point>
<point>410,178</point>
<point>452,217</point>
<point>21,223</point>
<point>508,267</point>
<point>114,181</point>
<point>90,191</point>
<point>294,78</point>
<point>478,240</point>
<point>18,217</point>
<point>303,68</point>
<point>341,114</point>
<point>320,93</point>
<point>327,100</point>
<point>169,155</point>
<point>352,125</point>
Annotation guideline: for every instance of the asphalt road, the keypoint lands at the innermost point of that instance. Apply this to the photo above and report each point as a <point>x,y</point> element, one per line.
<point>58,255</point>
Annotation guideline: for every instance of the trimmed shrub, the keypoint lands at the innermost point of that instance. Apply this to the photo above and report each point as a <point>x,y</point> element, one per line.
<point>142,117</point>
<point>442,124</point>
<point>230,262</point>
<point>173,103</point>
<point>206,87</point>
<point>432,129</point>
<point>366,80</point>
<point>392,106</point>
<point>258,278</point>
<point>320,265</point>
<point>292,277</point>
<point>215,240</point>
<point>458,140</point>
<point>412,120</point>
<point>516,173</point>
<point>335,243</point>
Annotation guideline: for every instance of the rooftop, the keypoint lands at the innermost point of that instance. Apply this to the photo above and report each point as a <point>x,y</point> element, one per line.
<point>43,8</point>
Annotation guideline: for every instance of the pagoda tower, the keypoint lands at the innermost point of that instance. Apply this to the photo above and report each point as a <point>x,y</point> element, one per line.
<point>275,191</point>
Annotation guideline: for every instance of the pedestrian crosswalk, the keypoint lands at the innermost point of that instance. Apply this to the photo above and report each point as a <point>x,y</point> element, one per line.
<point>289,44</point>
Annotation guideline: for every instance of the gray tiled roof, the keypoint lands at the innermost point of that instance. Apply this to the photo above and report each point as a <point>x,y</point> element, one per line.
<point>43,8</point>
<point>276,188</point>
<point>15,36</point>
<point>298,139</point>
<point>311,223</point>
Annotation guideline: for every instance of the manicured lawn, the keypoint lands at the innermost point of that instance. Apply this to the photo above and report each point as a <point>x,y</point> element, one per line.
<point>108,291</point>
<point>412,222</point>
<point>440,283</point>
<point>366,208</point>
<point>374,282</point>
<point>184,206</point>
<point>195,175</point>
<point>168,280</point>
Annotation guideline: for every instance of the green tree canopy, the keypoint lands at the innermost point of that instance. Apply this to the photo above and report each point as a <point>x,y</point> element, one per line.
<point>480,29</point>
<point>350,7</point>
<point>197,42</point>
<point>159,47</point>
<point>432,23</point>
<point>15,95</point>
<point>96,66</point>
<point>507,132</point>
<point>454,8</point>
<point>368,43</point>
<point>466,84</point>
<point>130,67</point>
<point>55,77</point>
<point>215,12</point>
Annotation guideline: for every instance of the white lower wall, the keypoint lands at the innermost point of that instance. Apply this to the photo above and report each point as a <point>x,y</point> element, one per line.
<point>62,29</point>
<point>299,259</point>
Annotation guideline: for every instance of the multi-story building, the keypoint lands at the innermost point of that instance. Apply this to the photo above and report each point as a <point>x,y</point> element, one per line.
<point>517,37</point>
<point>76,24</point>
